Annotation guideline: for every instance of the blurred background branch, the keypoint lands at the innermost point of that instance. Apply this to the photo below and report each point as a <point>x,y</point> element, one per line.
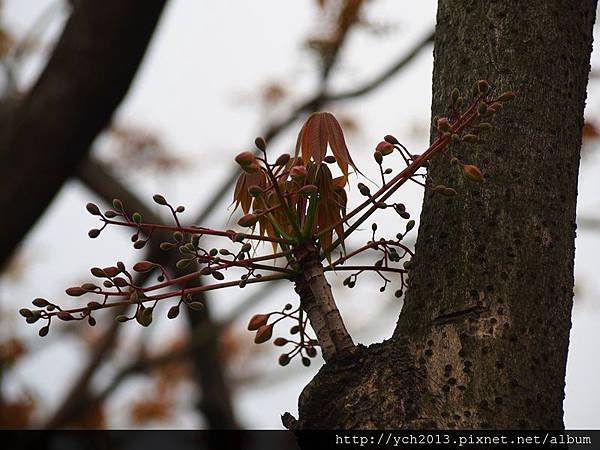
<point>73,100</point>
<point>53,132</point>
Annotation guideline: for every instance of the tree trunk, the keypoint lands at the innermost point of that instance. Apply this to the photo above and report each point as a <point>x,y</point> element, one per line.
<point>482,339</point>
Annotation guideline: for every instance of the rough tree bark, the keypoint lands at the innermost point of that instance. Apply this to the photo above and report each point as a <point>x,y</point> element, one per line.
<point>323,315</point>
<point>43,141</point>
<point>482,339</point>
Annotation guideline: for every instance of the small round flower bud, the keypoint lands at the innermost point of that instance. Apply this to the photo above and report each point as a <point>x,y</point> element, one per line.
<point>260,143</point>
<point>263,334</point>
<point>117,205</point>
<point>470,138</point>
<point>472,173</point>
<point>257,321</point>
<point>443,124</point>
<point>173,312</point>
<point>280,342</point>
<point>40,302</point>
<point>364,189</point>
<point>244,159</point>
<point>385,148</point>
<point>483,87</point>
<point>506,96</point>
<point>159,199</point>
<point>282,160</point>
<point>25,312</point>
<point>482,109</point>
<point>455,95</point>
<point>391,139</point>
<point>248,220</point>
<point>93,209</point>
<point>75,291</point>
<point>143,266</point>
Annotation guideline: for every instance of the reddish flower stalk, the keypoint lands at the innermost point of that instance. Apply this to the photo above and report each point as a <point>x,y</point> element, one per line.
<point>395,183</point>
<point>151,227</point>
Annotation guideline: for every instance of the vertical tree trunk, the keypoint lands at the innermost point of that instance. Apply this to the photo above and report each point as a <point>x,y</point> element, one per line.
<point>482,339</point>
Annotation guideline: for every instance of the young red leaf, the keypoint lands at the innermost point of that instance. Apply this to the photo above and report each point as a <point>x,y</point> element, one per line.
<point>320,130</point>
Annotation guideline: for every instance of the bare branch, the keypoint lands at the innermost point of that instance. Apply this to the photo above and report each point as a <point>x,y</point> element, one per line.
<point>386,74</point>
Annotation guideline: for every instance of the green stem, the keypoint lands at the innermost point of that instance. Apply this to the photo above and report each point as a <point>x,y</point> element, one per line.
<point>310,217</point>
<point>284,204</point>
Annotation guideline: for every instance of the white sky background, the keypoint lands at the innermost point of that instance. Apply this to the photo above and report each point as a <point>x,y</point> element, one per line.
<point>198,87</point>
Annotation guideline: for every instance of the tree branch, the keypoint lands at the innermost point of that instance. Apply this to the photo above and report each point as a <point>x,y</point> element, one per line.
<point>208,363</point>
<point>386,74</point>
<point>90,169</point>
<point>200,337</point>
<point>50,132</point>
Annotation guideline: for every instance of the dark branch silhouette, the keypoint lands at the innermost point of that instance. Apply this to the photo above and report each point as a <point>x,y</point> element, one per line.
<point>50,132</point>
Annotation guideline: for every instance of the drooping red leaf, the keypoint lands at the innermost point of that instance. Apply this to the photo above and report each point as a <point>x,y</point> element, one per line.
<point>317,139</point>
<point>339,182</point>
<point>321,130</point>
<point>241,197</point>
<point>330,206</point>
<point>337,142</point>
